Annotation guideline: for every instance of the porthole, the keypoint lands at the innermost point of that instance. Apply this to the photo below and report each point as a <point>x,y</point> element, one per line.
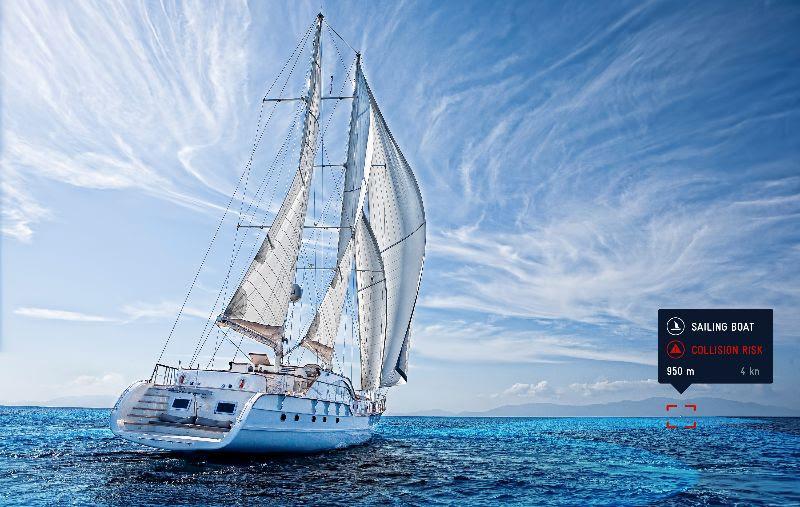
<point>181,403</point>
<point>324,419</point>
<point>313,418</point>
<point>296,417</point>
<point>283,417</point>
<point>337,419</point>
<point>225,407</point>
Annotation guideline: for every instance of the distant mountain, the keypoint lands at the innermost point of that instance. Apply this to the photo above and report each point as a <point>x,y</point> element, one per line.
<point>89,401</point>
<point>650,407</point>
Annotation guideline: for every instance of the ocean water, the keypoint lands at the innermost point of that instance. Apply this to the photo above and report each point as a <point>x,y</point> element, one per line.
<point>69,456</point>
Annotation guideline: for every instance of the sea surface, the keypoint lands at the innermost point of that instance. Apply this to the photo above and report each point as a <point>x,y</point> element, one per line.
<point>52,456</point>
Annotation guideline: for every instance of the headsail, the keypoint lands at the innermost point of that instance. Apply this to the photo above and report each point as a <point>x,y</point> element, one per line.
<point>261,302</point>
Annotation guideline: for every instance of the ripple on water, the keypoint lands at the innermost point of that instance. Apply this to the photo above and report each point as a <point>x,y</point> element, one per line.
<point>69,456</point>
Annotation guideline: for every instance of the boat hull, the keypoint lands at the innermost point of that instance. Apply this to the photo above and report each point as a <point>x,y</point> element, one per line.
<point>267,423</point>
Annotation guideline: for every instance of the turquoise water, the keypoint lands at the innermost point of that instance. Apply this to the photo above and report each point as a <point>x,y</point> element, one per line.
<point>68,456</point>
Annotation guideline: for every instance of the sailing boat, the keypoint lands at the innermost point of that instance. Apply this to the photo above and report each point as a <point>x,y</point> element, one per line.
<point>267,404</point>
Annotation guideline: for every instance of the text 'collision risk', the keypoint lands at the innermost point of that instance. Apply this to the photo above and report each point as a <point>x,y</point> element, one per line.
<point>714,347</point>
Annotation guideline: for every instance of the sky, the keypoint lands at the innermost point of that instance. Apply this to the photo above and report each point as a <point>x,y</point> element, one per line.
<point>582,165</point>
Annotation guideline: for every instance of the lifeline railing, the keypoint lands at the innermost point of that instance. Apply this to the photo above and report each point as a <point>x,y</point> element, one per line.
<point>164,375</point>
<point>276,383</point>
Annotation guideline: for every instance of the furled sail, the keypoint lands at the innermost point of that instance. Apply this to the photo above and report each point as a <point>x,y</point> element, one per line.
<point>371,294</point>
<point>357,155</point>
<point>321,335</point>
<point>261,302</point>
<point>397,219</point>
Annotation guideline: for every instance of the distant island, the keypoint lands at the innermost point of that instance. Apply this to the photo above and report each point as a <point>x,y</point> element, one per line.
<point>650,407</point>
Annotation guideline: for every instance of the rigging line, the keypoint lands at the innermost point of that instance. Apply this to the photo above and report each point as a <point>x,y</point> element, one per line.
<point>206,329</point>
<point>336,47</point>
<point>249,166</point>
<point>335,196</point>
<point>260,131</point>
<point>222,219</point>
<point>342,38</point>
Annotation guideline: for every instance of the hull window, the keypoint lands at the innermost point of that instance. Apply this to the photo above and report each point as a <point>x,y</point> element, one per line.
<point>283,417</point>
<point>224,407</point>
<point>181,403</point>
<point>296,417</point>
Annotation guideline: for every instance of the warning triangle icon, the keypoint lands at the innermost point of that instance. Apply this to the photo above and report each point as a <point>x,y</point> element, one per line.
<point>675,349</point>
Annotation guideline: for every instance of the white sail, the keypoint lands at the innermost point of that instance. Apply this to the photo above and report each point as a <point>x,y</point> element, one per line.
<point>321,335</point>
<point>397,218</point>
<point>261,302</point>
<point>357,155</point>
<point>371,294</point>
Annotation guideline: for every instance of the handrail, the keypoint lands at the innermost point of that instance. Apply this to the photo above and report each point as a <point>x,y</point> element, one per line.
<point>168,375</point>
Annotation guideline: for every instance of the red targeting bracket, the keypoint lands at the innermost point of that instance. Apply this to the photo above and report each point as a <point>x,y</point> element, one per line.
<point>692,426</point>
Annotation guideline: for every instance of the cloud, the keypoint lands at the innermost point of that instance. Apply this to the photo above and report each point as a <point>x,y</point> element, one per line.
<point>162,310</point>
<point>132,312</point>
<point>541,388</point>
<point>482,342</point>
<point>125,97</point>
<point>108,383</point>
<point>612,386</point>
<point>97,381</point>
<point>48,314</point>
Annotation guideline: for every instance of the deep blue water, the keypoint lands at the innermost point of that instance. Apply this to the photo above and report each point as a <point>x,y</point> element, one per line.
<point>68,456</point>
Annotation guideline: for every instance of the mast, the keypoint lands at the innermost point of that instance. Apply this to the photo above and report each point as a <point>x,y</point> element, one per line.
<point>259,307</point>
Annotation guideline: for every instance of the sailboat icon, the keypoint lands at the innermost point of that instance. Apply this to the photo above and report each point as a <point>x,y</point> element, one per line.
<point>675,326</point>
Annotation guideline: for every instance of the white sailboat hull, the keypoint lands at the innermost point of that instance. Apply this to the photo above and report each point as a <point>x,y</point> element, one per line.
<point>262,422</point>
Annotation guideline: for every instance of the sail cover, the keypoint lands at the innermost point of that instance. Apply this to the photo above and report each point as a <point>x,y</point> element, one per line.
<point>261,302</point>
<point>397,219</point>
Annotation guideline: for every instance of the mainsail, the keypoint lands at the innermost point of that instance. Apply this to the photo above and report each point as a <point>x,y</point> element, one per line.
<point>321,335</point>
<point>261,302</point>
